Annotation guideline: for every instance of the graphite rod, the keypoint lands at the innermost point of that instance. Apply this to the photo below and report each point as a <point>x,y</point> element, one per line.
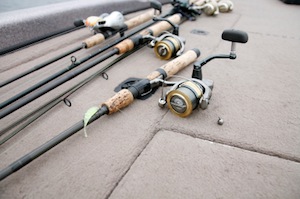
<point>118,49</point>
<point>35,114</point>
<point>70,67</point>
<point>120,100</point>
<point>41,65</point>
<point>15,166</point>
<point>92,41</point>
<point>51,85</point>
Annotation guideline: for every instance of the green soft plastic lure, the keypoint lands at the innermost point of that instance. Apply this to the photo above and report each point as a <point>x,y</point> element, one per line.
<point>87,116</point>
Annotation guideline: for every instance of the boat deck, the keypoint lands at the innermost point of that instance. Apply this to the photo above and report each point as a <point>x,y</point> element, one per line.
<point>144,151</point>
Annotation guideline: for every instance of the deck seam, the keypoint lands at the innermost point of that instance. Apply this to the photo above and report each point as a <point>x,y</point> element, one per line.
<point>236,145</point>
<point>155,130</point>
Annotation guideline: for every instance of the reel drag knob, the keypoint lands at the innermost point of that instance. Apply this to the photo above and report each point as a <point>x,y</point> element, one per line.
<point>185,98</point>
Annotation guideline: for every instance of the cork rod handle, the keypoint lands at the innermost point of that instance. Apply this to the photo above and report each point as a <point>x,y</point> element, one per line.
<point>124,97</point>
<point>131,23</point>
<point>174,66</point>
<point>94,40</point>
<point>120,100</point>
<point>135,21</point>
<point>156,29</point>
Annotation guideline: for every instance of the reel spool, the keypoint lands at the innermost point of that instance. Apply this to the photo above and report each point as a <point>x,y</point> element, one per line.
<point>168,45</point>
<point>187,95</point>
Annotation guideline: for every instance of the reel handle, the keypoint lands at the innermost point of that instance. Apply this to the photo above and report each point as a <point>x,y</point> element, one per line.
<point>155,30</point>
<point>235,36</point>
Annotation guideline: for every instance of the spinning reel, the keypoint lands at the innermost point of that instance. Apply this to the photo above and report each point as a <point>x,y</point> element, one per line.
<point>167,45</point>
<point>186,95</point>
<point>213,7</point>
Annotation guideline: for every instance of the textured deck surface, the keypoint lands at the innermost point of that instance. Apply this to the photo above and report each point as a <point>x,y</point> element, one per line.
<point>147,152</point>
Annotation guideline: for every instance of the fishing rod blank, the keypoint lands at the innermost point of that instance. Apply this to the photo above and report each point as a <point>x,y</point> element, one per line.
<point>120,48</point>
<point>120,100</point>
<point>35,114</point>
<point>73,65</point>
<point>96,39</point>
<point>41,65</point>
<point>92,41</point>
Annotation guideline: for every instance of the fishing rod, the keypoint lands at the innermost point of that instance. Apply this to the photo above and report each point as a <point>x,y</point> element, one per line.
<point>178,7</point>
<point>74,64</point>
<point>63,97</point>
<point>181,8</point>
<point>120,48</point>
<point>120,100</point>
<point>104,33</point>
<point>165,46</point>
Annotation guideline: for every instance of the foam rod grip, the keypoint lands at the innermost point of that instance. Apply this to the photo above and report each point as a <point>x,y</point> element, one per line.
<point>159,27</point>
<point>94,40</point>
<point>120,100</point>
<point>174,66</point>
<point>135,21</point>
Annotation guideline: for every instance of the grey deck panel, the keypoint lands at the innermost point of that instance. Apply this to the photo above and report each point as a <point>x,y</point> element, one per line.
<point>206,169</point>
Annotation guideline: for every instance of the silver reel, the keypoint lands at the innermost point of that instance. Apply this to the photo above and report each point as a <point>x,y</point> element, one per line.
<point>213,7</point>
<point>112,21</point>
